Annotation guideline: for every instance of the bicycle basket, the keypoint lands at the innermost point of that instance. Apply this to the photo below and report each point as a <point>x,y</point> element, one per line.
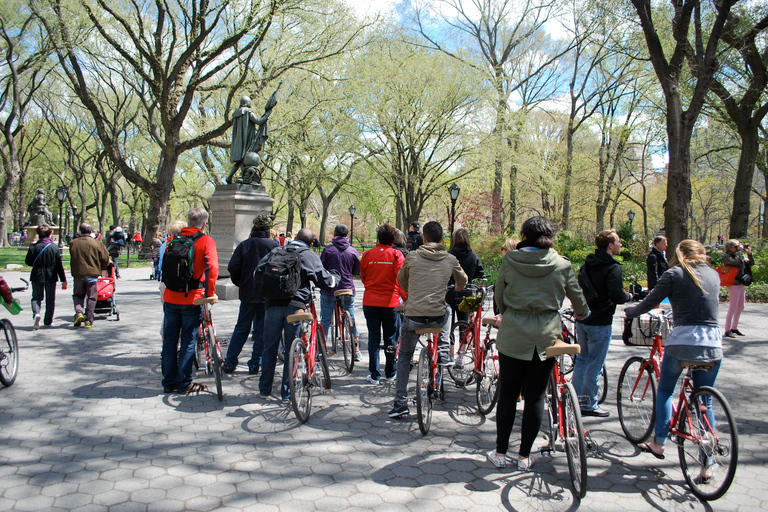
<point>454,298</point>
<point>641,331</point>
<point>470,303</point>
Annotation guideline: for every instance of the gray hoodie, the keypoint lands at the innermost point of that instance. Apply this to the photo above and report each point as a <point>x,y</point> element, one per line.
<point>425,277</point>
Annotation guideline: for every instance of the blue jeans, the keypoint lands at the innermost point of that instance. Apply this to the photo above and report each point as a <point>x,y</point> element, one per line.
<point>249,319</point>
<point>180,326</point>
<point>408,340</point>
<point>380,319</point>
<point>670,372</point>
<point>274,325</point>
<point>327,303</point>
<point>594,341</point>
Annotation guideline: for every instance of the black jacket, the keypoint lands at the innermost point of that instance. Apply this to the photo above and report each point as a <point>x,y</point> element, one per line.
<point>605,274</point>
<point>657,265</point>
<point>48,267</point>
<point>469,262</point>
<point>245,259</point>
<point>413,240</point>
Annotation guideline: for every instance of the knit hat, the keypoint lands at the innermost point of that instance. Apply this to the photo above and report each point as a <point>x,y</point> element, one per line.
<point>262,222</point>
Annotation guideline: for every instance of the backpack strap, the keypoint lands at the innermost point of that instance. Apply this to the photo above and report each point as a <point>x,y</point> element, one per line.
<point>40,254</point>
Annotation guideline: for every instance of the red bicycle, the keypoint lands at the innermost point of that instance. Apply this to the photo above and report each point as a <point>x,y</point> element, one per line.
<point>565,423</point>
<point>342,330</point>
<point>429,378</point>
<point>208,355</point>
<point>308,362</point>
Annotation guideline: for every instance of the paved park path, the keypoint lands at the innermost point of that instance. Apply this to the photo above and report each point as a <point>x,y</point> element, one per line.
<point>86,427</point>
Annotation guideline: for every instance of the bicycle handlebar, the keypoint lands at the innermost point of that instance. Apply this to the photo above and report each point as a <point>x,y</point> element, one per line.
<point>21,288</point>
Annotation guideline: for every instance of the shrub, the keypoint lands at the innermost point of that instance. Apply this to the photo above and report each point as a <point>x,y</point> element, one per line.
<point>758,292</point>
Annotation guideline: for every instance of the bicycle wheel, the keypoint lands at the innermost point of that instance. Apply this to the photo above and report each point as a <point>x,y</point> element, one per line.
<point>462,374</point>
<point>347,340</point>
<point>301,390</point>
<point>200,359</point>
<point>9,354</point>
<point>552,416</point>
<point>322,371</point>
<point>487,393</point>
<point>636,400</point>
<point>332,334</point>
<point>575,442</point>
<point>217,359</point>
<point>602,388</point>
<point>708,445</point>
<point>424,390</point>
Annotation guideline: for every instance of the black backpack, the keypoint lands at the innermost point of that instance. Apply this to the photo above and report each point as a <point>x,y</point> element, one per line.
<point>178,262</point>
<point>281,278</point>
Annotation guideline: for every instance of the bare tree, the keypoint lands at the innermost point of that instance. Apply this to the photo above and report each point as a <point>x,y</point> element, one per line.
<point>169,53</point>
<point>23,69</point>
<point>701,54</point>
<point>492,34</point>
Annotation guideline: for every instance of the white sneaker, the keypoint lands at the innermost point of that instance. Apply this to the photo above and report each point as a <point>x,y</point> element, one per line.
<point>38,319</point>
<point>500,461</point>
<point>525,464</point>
<point>371,380</point>
<point>459,362</point>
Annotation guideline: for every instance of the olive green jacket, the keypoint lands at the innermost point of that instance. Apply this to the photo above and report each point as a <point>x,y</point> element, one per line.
<point>529,293</point>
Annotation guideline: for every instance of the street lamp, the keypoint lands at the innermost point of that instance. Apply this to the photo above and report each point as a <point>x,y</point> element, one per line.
<point>488,220</point>
<point>66,220</point>
<point>454,191</point>
<point>61,195</point>
<point>303,216</point>
<point>352,211</point>
<point>631,217</point>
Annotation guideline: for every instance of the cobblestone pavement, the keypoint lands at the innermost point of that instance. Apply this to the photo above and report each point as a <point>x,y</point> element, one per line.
<point>87,427</point>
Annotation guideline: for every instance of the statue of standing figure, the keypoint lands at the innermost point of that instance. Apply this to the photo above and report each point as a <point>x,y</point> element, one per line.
<point>247,141</point>
<point>38,213</point>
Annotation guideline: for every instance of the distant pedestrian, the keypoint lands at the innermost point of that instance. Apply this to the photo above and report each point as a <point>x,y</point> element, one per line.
<point>87,257</point>
<point>740,256</point>
<point>44,257</point>
<point>656,261</point>
<point>414,239</point>
<point>116,242</point>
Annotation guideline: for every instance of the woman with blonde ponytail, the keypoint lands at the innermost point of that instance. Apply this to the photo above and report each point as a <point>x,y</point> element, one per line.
<point>693,288</point>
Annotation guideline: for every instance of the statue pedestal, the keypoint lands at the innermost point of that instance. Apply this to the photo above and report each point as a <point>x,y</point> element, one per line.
<point>32,235</point>
<point>233,208</point>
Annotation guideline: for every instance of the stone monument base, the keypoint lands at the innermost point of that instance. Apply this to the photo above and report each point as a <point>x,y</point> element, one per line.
<point>32,235</point>
<point>233,208</point>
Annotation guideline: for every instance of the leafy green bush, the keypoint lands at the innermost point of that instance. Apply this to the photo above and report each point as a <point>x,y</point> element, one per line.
<point>758,292</point>
<point>573,247</point>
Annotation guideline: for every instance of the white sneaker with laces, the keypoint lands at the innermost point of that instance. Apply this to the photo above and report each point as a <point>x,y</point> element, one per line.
<point>500,461</point>
<point>371,379</point>
<point>525,464</point>
<point>38,319</point>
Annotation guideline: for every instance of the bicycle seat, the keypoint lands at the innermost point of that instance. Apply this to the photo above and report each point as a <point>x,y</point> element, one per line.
<point>298,317</point>
<point>561,348</point>
<point>428,330</point>
<point>207,300</point>
<point>697,364</point>
<point>400,308</point>
<point>489,321</point>
<point>341,293</point>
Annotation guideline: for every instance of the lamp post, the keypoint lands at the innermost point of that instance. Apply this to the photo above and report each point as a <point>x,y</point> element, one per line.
<point>61,195</point>
<point>352,211</point>
<point>69,216</point>
<point>488,220</point>
<point>303,216</point>
<point>453,190</point>
<point>631,217</point>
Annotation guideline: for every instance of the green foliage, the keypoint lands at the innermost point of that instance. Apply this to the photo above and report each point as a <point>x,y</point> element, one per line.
<point>634,271</point>
<point>489,252</point>
<point>758,292</point>
<point>760,268</point>
<point>572,246</point>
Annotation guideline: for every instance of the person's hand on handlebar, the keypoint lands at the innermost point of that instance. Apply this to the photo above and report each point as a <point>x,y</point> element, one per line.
<point>498,320</point>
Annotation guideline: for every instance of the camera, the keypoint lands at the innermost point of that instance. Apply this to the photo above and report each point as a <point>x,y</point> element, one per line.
<point>746,246</point>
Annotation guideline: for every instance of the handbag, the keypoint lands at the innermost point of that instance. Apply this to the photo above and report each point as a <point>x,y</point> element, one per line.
<point>745,276</point>
<point>727,275</point>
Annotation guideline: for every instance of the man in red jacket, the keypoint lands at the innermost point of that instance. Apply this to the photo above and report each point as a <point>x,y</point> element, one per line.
<point>182,317</point>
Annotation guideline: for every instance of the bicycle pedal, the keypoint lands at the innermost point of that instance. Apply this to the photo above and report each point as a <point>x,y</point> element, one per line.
<point>223,342</point>
<point>201,373</point>
<point>331,353</point>
<point>545,450</point>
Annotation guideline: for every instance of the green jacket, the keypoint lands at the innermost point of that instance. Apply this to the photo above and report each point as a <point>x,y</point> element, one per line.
<point>425,275</point>
<point>529,293</point>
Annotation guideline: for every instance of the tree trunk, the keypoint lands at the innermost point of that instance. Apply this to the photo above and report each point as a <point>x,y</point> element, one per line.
<point>678,204</point>
<point>6,190</point>
<point>742,190</point>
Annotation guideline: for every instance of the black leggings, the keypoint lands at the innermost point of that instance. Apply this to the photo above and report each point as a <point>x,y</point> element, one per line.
<point>513,373</point>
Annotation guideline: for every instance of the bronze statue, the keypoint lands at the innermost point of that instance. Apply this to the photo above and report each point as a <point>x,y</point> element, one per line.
<point>38,213</point>
<point>247,141</point>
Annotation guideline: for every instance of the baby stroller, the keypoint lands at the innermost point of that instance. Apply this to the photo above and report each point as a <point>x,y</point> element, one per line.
<point>105,293</point>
